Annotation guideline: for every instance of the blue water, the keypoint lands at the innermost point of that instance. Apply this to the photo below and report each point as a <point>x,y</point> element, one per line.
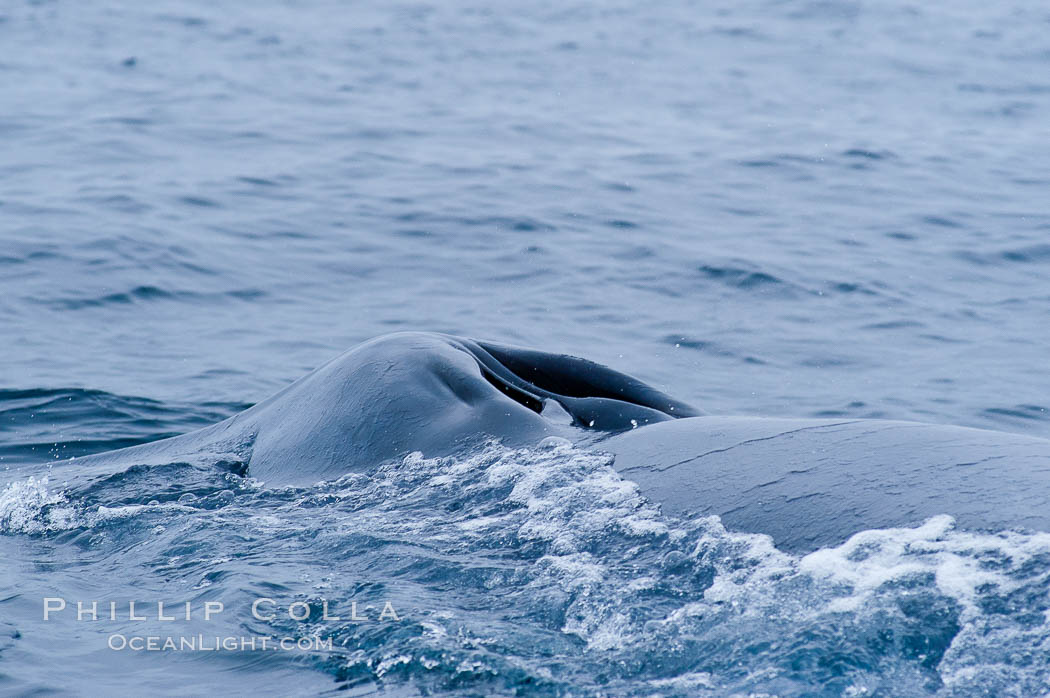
<point>768,208</point>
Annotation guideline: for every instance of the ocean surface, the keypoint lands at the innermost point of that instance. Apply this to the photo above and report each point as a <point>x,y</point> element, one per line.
<point>825,208</point>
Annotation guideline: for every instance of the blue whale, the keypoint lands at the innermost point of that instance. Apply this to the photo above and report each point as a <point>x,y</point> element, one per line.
<point>808,483</point>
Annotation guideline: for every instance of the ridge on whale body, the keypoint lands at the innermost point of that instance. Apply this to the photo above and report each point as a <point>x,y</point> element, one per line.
<point>808,483</point>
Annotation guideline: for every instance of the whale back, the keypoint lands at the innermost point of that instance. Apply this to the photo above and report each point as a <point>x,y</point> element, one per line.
<point>812,483</point>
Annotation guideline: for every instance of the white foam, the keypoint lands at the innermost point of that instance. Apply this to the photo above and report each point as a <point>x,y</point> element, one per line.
<point>29,506</point>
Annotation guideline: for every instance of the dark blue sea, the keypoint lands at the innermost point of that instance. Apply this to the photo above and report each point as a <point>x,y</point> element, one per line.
<point>781,208</point>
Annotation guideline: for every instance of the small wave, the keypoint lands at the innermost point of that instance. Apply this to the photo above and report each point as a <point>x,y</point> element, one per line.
<point>1025,412</point>
<point>749,278</point>
<point>740,277</point>
<point>199,202</point>
<point>709,347</point>
<point>1029,254</point>
<point>894,325</point>
<point>152,294</point>
<point>941,221</point>
<point>47,424</point>
<point>865,154</point>
<point>1000,89</point>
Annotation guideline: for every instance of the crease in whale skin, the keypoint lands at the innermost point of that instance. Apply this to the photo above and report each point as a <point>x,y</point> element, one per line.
<point>808,483</point>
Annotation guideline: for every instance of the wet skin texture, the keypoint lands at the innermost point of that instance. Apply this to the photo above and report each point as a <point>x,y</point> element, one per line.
<point>808,483</point>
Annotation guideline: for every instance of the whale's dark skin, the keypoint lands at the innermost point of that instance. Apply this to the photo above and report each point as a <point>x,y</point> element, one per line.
<point>808,483</point>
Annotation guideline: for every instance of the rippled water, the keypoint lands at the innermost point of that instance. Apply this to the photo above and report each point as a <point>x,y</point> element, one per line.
<point>772,208</point>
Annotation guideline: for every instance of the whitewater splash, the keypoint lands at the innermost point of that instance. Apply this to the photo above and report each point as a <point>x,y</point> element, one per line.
<point>29,506</point>
<point>544,568</point>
